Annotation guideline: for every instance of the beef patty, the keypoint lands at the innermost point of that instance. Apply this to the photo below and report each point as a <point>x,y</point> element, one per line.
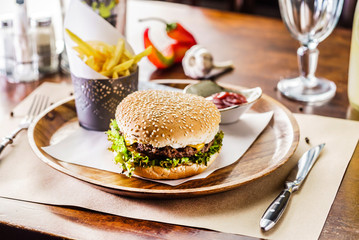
<point>168,152</point>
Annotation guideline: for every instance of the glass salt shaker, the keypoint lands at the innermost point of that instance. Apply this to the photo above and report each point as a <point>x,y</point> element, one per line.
<point>25,62</point>
<point>45,42</point>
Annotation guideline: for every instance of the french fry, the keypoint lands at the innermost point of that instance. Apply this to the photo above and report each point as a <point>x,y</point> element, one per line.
<point>117,55</point>
<point>82,53</point>
<point>85,45</point>
<point>104,50</point>
<point>103,69</point>
<point>92,64</point>
<point>118,69</point>
<point>103,47</point>
<point>132,68</point>
<point>112,61</point>
<point>145,53</point>
<point>127,54</point>
<point>126,73</point>
<point>123,66</point>
<point>115,75</point>
<point>106,73</point>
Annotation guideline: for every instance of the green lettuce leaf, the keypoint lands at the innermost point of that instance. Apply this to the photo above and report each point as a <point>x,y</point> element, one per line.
<point>131,159</point>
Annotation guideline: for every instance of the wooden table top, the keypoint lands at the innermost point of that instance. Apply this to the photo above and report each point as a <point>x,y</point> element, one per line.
<point>263,52</point>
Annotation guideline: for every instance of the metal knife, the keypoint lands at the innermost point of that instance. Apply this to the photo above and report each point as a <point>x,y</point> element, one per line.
<point>292,184</point>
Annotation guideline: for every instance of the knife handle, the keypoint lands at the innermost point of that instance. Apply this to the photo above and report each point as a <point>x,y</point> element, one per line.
<point>275,210</point>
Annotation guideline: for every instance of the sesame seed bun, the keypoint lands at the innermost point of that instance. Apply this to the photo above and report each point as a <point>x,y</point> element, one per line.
<point>181,171</point>
<point>164,118</point>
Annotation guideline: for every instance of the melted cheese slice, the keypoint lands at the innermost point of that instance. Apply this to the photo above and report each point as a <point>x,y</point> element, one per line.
<point>198,146</point>
<point>128,142</point>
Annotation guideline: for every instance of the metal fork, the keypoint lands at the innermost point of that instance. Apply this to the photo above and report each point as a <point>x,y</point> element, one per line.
<point>39,103</point>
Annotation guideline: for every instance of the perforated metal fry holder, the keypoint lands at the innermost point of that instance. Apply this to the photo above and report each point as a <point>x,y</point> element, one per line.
<point>96,99</point>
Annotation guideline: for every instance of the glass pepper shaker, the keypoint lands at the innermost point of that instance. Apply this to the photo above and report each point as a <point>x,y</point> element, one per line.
<point>6,47</point>
<point>45,42</point>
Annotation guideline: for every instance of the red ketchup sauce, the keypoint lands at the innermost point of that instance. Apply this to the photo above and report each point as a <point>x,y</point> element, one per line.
<point>227,99</point>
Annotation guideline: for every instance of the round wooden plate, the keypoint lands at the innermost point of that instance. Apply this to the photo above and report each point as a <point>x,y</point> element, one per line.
<point>272,149</point>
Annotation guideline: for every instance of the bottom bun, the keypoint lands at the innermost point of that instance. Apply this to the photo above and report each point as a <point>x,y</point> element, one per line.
<point>181,171</point>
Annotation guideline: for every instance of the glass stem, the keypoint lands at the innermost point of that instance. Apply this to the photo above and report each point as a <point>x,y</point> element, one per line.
<point>307,61</point>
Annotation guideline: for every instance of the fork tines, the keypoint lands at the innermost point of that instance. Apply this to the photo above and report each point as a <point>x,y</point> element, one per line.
<point>39,103</point>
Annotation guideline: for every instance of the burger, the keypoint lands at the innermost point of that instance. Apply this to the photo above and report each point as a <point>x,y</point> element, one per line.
<point>160,134</point>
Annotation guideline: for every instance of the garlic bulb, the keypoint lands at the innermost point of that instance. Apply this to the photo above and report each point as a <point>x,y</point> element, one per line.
<point>198,63</point>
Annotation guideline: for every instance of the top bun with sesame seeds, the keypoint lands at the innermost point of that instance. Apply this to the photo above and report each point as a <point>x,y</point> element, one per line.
<point>165,135</point>
<point>164,118</point>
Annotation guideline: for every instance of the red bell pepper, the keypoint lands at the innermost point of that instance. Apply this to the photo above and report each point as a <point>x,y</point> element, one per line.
<point>175,52</point>
<point>175,31</point>
<point>156,57</point>
<point>180,50</point>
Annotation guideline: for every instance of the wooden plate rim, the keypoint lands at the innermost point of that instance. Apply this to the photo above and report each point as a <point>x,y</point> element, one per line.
<point>138,192</point>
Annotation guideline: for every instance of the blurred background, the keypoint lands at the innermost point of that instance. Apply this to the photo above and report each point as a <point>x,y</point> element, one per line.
<point>268,8</point>
<point>48,15</point>
<point>38,9</point>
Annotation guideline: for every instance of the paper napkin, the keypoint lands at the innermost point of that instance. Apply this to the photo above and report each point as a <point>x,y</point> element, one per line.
<point>89,148</point>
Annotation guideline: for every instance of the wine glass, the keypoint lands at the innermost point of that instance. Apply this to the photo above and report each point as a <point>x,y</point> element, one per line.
<point>310,22</point>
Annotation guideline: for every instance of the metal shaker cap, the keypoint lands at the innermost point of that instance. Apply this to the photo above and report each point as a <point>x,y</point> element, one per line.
<point>6,23</point>
<point>41,22</point>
